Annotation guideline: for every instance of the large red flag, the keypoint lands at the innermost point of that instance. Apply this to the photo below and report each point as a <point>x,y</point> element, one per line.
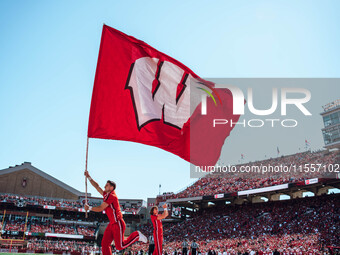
<point>142,95</point>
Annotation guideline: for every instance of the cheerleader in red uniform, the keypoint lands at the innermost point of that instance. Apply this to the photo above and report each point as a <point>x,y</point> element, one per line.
<point>158,227</point>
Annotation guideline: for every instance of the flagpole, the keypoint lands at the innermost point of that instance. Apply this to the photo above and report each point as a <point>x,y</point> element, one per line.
<point>86,158</point>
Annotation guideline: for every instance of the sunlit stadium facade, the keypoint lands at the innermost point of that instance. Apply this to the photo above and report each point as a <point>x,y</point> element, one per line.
<point>331,120</point>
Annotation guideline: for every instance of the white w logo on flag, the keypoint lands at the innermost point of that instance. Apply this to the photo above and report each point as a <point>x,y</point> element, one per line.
<point>155,92</point>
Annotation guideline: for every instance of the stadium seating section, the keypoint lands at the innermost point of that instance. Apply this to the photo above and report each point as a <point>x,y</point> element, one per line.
<point>228,183</point>
<point>295,226</point>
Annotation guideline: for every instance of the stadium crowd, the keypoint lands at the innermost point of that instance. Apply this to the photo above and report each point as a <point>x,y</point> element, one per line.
<point>86,230</point>
<point>264,245</point>
<point>39,245</point>
<point>38,226</point>
<point>15,225</point>
<point>64,229</point>
<point>293,226</point>
<point>23,200</point>
<point>69,229</point>
<point>35,244</point>
<point>216,183</point>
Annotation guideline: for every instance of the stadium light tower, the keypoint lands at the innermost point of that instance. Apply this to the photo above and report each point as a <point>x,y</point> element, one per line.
<point>331,120</point>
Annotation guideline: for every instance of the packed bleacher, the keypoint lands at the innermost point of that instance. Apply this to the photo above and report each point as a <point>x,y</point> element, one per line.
<point>49,220</point>
<point>216,183</point>
<point>37,226</point>
<point>41,228</point>
<point>22,201</point>
<point>15,225</point>
<point>35,244</point>
<point>64,229</point>
<point>263,245</point>
<point>298,225</point>
<point>86,230</point>
<point>8,198</point>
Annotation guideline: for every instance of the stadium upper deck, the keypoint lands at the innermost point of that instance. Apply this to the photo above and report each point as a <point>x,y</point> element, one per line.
<point>221,183</point>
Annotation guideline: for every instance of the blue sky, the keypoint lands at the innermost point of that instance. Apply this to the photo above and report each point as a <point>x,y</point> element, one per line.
<point>48,56</point>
